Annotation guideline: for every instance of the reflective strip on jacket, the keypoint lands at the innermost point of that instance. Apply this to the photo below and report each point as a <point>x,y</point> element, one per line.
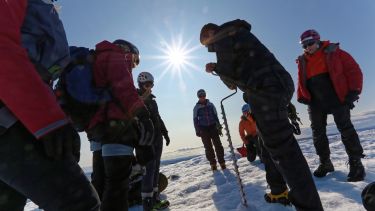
<point>343,70</point>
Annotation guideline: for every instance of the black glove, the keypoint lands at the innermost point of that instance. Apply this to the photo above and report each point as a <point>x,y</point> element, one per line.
<point>351,97</point>
<point>145,127</point>
<point>296,129</point>
<point>63,143</point>
<point>144,154</point>
<point>167,140</point>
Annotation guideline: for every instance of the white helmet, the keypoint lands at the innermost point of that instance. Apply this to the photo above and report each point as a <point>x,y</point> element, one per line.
<point>144,77</point>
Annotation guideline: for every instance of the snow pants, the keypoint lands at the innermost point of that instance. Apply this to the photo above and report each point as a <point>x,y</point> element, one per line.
<point>150,180</point>
<point>112,164</point>
<point>210,136</point>
<point>269,105</point>
<point>25,172</point>
<point>349,136</point>
<point>253,148</point>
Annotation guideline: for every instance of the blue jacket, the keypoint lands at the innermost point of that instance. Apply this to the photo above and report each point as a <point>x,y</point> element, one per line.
<point>204,115</point>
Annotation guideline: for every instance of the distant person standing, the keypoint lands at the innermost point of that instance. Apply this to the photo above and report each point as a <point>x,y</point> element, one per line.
<point>207,126</point>
<point>329,82</point>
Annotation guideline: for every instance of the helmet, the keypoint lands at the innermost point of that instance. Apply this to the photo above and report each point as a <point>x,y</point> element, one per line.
<point>144,77</point>
<point>310,34</point>
<point>201,92</point>
<point>246,108</point>
<point>204,32</point>
<point>129,48</point>
<point>368,196</point>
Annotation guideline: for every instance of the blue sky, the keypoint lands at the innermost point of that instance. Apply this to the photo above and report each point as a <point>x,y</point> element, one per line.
<point>152,25</point>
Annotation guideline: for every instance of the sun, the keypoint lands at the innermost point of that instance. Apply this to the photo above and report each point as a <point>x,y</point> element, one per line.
<point>176,58</point>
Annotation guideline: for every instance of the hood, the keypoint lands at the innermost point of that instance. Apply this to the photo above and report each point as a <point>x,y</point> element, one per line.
<point>107,46</point>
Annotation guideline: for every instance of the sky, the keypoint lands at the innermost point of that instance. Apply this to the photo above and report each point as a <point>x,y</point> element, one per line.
<point>164,29</point>
<point>193,186</point>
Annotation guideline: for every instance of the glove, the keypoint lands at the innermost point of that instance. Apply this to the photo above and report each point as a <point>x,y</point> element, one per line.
<point>296,129</point>
<point>210,67</point>
<point>144,154</point>
<point>167,140</point>
<point>351,97</point>
<point>63,143</point>
<point>145,126</point>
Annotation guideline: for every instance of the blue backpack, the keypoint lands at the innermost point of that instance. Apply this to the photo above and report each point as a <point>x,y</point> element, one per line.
<point>43,36</point>
<point>76,91</point>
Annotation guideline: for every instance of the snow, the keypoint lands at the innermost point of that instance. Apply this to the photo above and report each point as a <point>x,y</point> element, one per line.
<point>193,186</point>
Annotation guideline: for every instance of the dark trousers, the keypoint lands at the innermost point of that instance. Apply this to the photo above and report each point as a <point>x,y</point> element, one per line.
<point>253,148</point>
<point>27,173</point>
<point>110,177</point>
<point>349,136</point>
<point>269,106</point>
<point>151,178</point>
<point>210,138</point>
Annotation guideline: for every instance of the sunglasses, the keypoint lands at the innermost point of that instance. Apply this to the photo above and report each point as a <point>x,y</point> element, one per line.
<point>308,43</point>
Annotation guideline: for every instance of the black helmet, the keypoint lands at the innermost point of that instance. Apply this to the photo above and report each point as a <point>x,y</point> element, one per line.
<point>128,46</point>
<point>368,196</point>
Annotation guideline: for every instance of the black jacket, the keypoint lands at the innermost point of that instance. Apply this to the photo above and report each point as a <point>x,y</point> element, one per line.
<point>243,61</point>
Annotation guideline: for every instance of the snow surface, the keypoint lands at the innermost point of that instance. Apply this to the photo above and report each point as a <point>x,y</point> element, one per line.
<point>193,186</point>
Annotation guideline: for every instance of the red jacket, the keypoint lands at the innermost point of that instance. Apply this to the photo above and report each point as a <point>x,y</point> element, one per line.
<point>247,127</point>
<point>112,69</point>
<point>21,88</point>
<point>343,70</point>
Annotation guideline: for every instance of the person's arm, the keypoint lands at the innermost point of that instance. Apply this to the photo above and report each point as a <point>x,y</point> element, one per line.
<point>352,72</point>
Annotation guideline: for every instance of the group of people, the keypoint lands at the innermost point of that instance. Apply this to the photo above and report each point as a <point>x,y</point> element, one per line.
<point>38,140</point>
<point>40,145</point>
<point>329,82</point>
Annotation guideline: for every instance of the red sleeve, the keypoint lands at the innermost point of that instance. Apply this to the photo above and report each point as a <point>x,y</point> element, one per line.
<point>241,130</point>
<point>352,71</point>
<point>21,89</point>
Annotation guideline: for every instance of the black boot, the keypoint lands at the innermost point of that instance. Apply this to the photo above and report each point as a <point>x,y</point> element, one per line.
<point>357,171</point>
<point>323,168</point>
<point>148,204</point>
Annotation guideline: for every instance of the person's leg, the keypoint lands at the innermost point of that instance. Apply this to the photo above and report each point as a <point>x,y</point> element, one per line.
<point>210,154</point>
<point>318,120</point>
<point>115,194</point>
<point>158,151</point>
<point>274,179</point>
<point>219,149</point>
<point>269,106</point>
<point>10,199</point>
<point>51,184</point>
<point>352,144</point>
<point>98,175</point>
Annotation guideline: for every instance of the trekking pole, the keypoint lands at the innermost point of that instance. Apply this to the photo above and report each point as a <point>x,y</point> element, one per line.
<point>242,193</point>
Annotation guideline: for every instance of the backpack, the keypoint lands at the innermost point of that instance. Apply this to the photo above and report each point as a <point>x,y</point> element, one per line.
<point>76,91</point>
<point>44,38</point>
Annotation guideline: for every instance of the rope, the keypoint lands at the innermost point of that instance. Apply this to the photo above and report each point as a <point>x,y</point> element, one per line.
<point>242,193</point>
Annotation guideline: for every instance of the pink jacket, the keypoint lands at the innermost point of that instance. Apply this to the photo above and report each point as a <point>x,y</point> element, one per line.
<point>112,69</point>
<point>21,89</point>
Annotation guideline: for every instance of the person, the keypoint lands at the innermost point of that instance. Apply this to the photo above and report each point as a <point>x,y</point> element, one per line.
<point>329,82</point>
<point>119,125</point>
<point>208,127</point>
<point>150,191</point>
<point>248,133</point>
<point>37,141</point>
<point>244,62</point>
